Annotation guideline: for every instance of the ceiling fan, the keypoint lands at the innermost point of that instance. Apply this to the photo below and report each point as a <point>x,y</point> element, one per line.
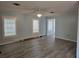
<point>39,12</point>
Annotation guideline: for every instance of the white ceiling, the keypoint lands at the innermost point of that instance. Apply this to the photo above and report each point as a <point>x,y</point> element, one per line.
<point>58,7</point>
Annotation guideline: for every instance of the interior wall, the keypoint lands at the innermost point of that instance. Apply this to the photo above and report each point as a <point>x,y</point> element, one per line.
<point>77,52</point>
<point>0,28</point>
<point>24,27</point>
<point>42,25</point>
<point>66,25</point>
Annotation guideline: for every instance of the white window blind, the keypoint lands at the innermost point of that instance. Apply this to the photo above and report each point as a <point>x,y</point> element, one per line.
<point>9,26</point>
<point>35,26</point>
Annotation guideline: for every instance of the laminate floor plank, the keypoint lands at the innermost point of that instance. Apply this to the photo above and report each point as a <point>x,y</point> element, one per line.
<point>43,47</point>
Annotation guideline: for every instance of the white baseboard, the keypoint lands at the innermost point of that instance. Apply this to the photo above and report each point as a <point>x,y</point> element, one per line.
<point>8,41</point>
<point>65,39</point>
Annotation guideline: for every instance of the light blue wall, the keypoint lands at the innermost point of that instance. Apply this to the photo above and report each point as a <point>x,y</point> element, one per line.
<point>42,26</point>
<point>66,25</point>
<point>24,24</point>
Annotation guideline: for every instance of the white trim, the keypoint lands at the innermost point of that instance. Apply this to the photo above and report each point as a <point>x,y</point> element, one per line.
<point>65,39</point>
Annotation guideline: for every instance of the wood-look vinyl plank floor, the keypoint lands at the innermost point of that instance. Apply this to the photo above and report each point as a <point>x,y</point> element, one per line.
<point>43,47</point>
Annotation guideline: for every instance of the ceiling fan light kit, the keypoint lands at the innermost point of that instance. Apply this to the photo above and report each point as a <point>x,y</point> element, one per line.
<point>39,15</point>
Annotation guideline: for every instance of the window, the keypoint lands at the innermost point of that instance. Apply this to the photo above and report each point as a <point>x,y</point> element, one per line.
<point>9,26</point>
<point>35,26</point>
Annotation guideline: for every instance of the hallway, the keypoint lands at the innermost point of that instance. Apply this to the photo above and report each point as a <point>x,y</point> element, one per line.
<point>39,47</point>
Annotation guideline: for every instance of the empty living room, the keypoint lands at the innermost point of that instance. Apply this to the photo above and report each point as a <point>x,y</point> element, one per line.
<point>39,29</point>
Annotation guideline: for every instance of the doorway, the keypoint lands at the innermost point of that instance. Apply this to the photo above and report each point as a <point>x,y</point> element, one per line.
<point>51,27</point>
